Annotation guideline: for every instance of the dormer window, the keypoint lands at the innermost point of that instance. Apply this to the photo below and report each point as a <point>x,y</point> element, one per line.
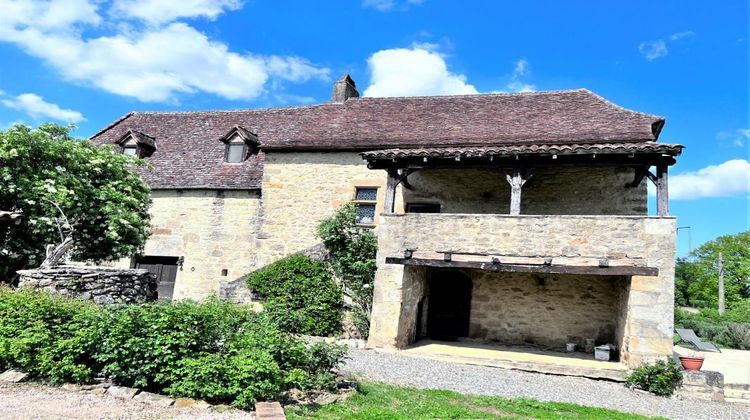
<point>236,150</point>
<point>239,144</point>
<point>135,143</point>
<point>130,148</point>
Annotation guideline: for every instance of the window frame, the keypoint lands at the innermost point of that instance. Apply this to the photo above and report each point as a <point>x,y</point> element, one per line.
<point>373,203</point>
<point>243,155</point>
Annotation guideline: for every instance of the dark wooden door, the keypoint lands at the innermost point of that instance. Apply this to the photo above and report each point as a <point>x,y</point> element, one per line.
<point>450,305</point>
<point>165,270</point>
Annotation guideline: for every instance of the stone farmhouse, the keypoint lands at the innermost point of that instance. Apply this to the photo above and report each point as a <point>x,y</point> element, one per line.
<point>512,218</point>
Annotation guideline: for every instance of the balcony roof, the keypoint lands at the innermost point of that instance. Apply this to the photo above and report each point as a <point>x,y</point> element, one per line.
<point>606,153</point>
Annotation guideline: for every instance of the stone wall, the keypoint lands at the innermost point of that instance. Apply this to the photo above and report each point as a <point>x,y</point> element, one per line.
<point>544,310</point>
<point>213,230</point>
<point>99,284</point>
<point>648,323</point>
<point>300,190</point>
<point>702,385</point>
<point>565,190</point>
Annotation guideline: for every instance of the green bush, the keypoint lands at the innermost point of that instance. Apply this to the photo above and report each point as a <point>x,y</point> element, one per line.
<point>660,378</point>
<point>300,295</point>
<point>214,350</point>
<point>352,251</point>
<point>731,330</point>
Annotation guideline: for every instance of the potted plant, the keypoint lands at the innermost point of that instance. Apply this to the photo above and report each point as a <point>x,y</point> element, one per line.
<point>692,361</point>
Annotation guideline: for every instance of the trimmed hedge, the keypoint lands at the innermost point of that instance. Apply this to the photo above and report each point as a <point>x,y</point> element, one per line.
<point>300,295</point>
<point>213,351</point>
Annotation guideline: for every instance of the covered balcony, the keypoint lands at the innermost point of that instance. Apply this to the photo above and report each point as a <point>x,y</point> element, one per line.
<point>531,250</point>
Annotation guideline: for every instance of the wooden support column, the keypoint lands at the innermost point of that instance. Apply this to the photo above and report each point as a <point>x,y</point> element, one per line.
<point>516,181</point>
<point>390,191</point>
<point>662,190</point>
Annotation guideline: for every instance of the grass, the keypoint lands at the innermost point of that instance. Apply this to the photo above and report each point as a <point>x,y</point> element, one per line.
<point>380,401</point>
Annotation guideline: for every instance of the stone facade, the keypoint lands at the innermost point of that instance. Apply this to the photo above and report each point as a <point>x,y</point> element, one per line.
<point>645,322</point>
<point>213,230</point>
<point>99,284</point>
<point>300,189</point>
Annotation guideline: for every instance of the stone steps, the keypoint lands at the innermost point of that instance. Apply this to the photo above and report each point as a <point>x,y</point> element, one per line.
<point>737,393</point>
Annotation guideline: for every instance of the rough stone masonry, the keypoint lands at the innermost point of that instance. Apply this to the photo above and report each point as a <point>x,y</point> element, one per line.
<point>102,285</point>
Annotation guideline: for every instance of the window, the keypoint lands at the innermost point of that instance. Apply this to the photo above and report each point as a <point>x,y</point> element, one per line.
<point>423,208</point>
<point>130,150</point>
<point>130,147</point>
<point>235,152</point>
<point>366,199</point>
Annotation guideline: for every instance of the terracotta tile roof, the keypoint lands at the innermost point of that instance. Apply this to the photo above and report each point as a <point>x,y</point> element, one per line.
<point>534,149</point>
<point>191,155</point>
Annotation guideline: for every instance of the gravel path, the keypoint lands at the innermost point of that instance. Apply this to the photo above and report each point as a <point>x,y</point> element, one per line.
<point>35,401</point>
<point>469,379</point>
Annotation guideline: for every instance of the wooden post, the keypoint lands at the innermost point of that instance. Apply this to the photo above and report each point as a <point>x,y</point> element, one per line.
<point>516,181</point>
<point>722,304</point>
<point>390,191</point>
<point>662,191</point>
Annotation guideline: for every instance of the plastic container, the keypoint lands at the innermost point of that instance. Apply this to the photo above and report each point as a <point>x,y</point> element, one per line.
<point>570,347</point>
<point>602,352</point>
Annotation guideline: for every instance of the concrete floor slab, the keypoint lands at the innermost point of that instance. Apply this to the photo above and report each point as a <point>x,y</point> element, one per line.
<point>520,358</point>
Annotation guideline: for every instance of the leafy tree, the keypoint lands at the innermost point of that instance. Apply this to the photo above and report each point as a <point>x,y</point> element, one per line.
<point>352,252</point>
<point>697,278</point>
<point>61,183</point>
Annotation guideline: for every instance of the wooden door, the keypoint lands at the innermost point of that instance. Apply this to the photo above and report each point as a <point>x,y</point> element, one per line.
<point>165,270</point>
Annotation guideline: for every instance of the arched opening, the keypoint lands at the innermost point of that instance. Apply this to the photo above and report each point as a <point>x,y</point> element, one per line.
<point>449,305</point>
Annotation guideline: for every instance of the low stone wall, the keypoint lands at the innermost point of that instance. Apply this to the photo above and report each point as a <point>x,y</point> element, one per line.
<point>702,385</point>
<point>99,284</point>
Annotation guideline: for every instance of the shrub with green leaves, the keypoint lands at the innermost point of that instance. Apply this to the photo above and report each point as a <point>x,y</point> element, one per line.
<point>300,295</point>
<point>731,330</point>
<point>352,250</point>
<point>660,377</point>
<point>44,171</point>
<point>213,351</point>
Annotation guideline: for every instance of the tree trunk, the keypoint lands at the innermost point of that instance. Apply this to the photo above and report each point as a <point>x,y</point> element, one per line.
<point>56,252</point>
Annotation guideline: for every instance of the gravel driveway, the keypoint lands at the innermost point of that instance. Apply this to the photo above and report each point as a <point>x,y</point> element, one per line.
<point>35,401</point>
<point>469,379</point>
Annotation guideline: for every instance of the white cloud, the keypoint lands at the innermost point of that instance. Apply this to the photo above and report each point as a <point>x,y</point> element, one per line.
<point>731,178</point>
<point>658,48</point>
<point>416,71</point>
<point>36,107</point>
<point>154,64</point>
<point>516,84</point>
<point>680,35</point>
<point>735,138</point>
<point>162,11</point>
<point>388,5</point>
<point>653,49</point>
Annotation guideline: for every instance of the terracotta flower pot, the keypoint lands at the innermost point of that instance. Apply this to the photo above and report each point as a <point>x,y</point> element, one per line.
<point>691,363</point>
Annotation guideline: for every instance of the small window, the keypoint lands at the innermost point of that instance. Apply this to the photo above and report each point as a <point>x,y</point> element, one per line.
<point>423,208</point>
<point>130,150</point>
<point>366,199</point>
<point>235,152</point>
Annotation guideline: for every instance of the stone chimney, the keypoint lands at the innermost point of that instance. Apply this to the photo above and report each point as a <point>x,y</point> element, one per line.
<point>344,89</point>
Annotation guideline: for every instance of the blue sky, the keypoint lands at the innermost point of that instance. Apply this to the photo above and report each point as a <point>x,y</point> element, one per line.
<point>89,62</point>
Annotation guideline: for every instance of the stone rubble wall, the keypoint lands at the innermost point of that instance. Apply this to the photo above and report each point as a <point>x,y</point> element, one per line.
<point>102,285</point>
<point>648,318</point>
<point>702,385</point>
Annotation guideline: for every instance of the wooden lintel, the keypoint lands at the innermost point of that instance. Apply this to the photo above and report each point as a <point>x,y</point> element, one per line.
<point>510,162</point>
<point>522,268</point>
